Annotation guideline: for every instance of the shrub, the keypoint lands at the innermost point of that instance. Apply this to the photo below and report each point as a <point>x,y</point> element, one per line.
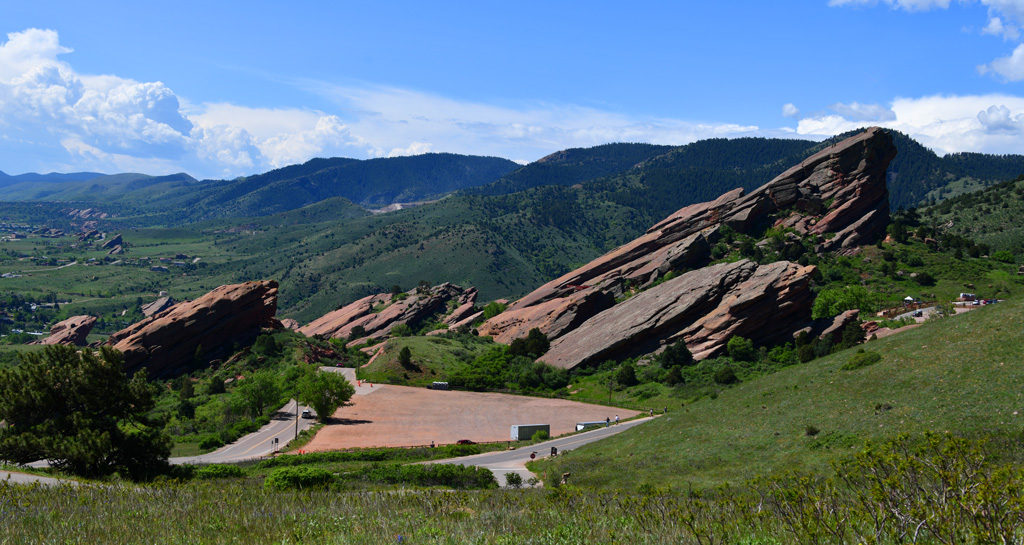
<point>925,279</point>
<point>298,477</point>
<point>811,431</point>
<point>540,435</point>
<point>219,471</point>
<point>401,330</point>
<point>1003,255</point>
<point>741,349</point>
<point>626,375</point>
<point>513,480</point>
<point>210,442</point>
<point>454,476</point>
<point>726,375</point>
<point>860,359</point>
<point>493,309</point>
<point>676,355</point>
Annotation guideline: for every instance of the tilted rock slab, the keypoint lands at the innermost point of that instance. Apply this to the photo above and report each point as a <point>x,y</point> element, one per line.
<point>839,191</point>
<point>165,343</point>
<point>72,331</point>
<point>704,308</point>
<point>416,306</point>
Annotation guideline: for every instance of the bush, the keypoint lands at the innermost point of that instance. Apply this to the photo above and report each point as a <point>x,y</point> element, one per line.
<point>1004,256</point>
<point>454,476</point>
<point>626,375</point>
<point>513,480</point>
<point>210,442</point>
<point>219,471</point>
<point>401,330</point>
<point>726,375</point>
<point>540,435</point>
<point>741,349</point>
<point>493,309</point>
<point>298,477</point>
<point>925,279</point>
<point>861,359</point>
<point>676,355</point>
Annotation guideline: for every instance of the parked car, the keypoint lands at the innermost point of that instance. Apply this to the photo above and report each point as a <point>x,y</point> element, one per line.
<point>465,442</point>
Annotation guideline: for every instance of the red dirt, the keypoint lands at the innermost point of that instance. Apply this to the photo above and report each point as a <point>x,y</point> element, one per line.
<point>395,416</point>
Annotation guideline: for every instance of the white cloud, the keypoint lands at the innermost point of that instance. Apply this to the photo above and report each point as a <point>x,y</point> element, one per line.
<point>789,110</point>
<point>947,124</point>
<point>1005,18</point>
<point>109,123</point>
<point>1011,68</point>
<point>996,27</point>
<point>390,118</point>
<point>908,5</point>
<point>863,112</point>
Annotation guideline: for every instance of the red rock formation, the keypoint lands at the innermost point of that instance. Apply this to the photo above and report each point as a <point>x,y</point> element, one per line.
<point>377,314</point>
<point>704,307</point>
<point>839,191</point>
<point>166,343</point>
<point>72,331</point>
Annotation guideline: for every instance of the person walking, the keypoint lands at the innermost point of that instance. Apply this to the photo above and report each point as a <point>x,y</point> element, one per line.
<point>616,419</point>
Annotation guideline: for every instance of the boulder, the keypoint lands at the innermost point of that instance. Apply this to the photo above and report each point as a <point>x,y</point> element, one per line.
<point>291,324</point>
<point>166,343</point>
<point>72,331</point>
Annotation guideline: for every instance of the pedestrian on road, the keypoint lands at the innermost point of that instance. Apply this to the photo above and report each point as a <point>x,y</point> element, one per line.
<point>616,419</point>
<point>607,421</point>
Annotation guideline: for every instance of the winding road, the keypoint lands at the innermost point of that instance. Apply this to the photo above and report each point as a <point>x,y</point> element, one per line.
<point>258,444</point>
<point>514,461</point>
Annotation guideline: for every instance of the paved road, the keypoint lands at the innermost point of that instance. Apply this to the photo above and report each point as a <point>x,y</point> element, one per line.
<point>28,478</point>
<point>257,444</point>
<point>514,461</point>
<point>362,388</point>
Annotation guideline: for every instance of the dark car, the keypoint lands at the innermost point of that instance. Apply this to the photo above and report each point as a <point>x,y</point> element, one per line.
<point>465,442</point>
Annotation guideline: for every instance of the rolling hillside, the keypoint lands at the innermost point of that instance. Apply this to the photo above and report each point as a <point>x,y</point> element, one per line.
<point>961,374</point>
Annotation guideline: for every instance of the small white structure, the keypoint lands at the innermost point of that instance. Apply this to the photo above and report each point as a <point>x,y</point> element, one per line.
<point>523,432</point>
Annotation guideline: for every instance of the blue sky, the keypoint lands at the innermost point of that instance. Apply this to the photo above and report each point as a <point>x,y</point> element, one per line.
<point>221,89</point>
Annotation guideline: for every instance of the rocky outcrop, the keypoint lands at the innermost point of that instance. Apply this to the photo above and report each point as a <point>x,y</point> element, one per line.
<point>377,314</point>
<point>161,304</point>
<point>111,243</point>
<point>704,308</point>
<point>834,332</point>
<point>72,331</point>
<point>166,343</point>
<point>837,197</point>
<point>289,323</point>
<point>465,307</point>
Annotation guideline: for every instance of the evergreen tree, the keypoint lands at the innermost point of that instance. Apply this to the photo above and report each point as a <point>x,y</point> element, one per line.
<point>81,412</point>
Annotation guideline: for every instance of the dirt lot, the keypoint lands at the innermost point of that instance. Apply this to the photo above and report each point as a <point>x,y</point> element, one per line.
<point>403,416</point>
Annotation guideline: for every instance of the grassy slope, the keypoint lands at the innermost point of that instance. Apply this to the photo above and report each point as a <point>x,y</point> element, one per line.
<point>432,358</point>
<point>963,375</point>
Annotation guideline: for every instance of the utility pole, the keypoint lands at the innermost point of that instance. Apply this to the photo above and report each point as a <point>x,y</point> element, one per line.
<point>296,418</point>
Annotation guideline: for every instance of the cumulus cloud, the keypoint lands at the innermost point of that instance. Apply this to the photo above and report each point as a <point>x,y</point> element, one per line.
<point>947,124</point>
<point>789,110</point>
<point>111,123</point>
<point>106,122</point>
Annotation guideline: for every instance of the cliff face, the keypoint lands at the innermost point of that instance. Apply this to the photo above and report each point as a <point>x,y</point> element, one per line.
<point>837,196</point>
<point>165,343</point>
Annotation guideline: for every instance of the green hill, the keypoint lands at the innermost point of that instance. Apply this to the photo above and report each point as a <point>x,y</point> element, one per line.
<point>991,216</point>
<point>961,374</point>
